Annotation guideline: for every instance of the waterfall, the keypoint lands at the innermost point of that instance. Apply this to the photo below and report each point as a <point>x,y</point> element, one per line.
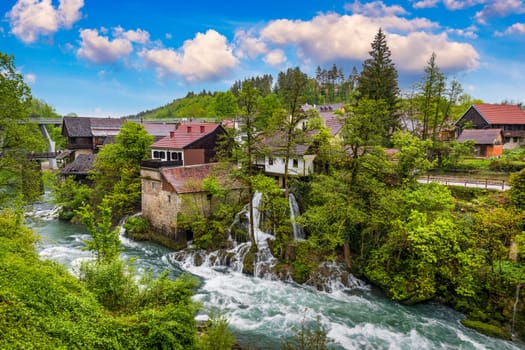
<point>515,307</point>
<point>294,212</point>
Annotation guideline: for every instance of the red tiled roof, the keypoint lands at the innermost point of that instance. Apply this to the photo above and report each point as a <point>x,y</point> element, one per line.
<point>188,179</point>
<point>501,114</point>
<point>186,134</point>
<point>157,130</point>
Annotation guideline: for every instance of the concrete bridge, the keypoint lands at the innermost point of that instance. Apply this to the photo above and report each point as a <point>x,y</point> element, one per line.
<point>488,184</point>
<point>50,155</point>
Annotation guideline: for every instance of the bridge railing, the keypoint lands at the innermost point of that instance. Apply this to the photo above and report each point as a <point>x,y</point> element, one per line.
<point>468,182</point>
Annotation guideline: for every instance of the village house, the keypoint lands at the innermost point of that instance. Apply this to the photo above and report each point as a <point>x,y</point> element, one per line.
<point>488,143</point>
<point>191,143</point>
<point>509,118</point>
<point>301,163</point>
<point>168,191</point>
<point>85,137</point>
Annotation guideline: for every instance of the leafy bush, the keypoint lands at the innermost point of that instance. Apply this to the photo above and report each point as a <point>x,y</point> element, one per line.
<point>487,329</point>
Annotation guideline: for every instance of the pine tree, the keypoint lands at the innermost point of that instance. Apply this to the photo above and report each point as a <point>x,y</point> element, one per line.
<point>378,80</point>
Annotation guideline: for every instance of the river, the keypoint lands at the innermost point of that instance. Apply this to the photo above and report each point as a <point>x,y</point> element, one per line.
<point>262,312</point>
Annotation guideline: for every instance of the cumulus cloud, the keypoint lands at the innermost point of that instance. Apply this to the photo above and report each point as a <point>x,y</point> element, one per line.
<point>332,37</point>
<point>30,19</point>
<point>206,57</point>
<point>411,52</point>
<point>423,4</point>
<point>375,9</point>
<point>275,58</point>
<point>138,36</point>
<point>500,8</point>
<point>462,4</point>
<point>248,45</point>
<point>100,49</point>
<point>516,28</point>
<point>470,32</point>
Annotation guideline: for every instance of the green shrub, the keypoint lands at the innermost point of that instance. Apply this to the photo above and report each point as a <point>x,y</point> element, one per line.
<point>487,329</point>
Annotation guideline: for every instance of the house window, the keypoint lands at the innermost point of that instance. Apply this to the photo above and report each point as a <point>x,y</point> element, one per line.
<point>270,161</point>
<point>176,155</point>
<point>153,185</point>
<point>156,154</point>
<point>295,162</point>
<point>515,139</point>
<point>162,155</point>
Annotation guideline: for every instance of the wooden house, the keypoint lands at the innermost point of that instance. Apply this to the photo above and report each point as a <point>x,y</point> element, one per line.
<point>488,143</point>
<point>509,118</point>
<point>87,135</point>
<point>191,143</point>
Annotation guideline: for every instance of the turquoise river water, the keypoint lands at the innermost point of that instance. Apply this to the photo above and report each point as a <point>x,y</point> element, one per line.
<point>262,312</point>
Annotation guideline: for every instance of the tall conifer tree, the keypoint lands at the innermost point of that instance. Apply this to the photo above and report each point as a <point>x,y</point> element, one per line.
<point>378,80</point>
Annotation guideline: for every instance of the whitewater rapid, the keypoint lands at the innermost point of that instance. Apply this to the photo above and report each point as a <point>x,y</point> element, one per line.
<point>262,312</point>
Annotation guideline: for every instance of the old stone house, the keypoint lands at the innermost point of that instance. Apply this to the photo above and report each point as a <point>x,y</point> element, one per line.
<point>168,191</point>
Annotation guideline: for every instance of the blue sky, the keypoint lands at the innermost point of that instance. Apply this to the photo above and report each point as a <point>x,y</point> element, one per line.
<point>113,58</point>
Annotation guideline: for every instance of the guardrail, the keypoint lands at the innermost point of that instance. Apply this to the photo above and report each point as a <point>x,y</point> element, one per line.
<point>490,184</point>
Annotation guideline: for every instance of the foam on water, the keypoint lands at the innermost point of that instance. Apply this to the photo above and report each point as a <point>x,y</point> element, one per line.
<point>262,311</point>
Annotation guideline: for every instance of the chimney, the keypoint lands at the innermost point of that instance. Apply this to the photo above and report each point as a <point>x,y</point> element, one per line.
<point>202,129</point>
<point>189,128</point>
<point>172,134</point>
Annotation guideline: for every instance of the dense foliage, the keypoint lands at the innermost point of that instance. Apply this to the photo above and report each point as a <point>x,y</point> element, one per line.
<point>19,176</point>
<point>43,306</point>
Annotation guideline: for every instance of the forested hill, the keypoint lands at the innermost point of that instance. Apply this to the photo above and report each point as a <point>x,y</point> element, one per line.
<point>191,106</point>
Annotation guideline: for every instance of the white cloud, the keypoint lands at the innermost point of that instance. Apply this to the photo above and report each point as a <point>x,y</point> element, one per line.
<point>411,52</point>
<point>375,9</point>
<point>248,45</point>
<point>331,37</point>
<point>462,4</point>
<point>138,36</point>
<point>168,36</point>
<point>470,32</point>
<point>423,4</point>
<point>30,19</point>
<point>99,49</point>
<point>275,58</point>
<point>516,28</point>
<point>30,78</point>
<point>500,8</point>
<point>208,56</point>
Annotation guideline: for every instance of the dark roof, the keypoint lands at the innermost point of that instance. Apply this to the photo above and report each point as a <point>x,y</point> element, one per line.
<point>80,166</point>
<point>481,136</point>
<point>501,114</point>
<point>77,126</point>
<point>186,134</point>
<point>88,127</point>
<point>275,144</point>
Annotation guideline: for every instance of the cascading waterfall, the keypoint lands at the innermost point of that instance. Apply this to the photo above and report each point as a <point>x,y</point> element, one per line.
<point>261,312</point>
<point>298,232</point>
<point>515,307</point>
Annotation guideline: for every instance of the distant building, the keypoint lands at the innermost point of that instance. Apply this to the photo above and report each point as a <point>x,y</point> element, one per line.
<point>79,168</point>
<point>509,118</point>
<point>88,135</point>
<point>488,143</point>
<point>191,143</point>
